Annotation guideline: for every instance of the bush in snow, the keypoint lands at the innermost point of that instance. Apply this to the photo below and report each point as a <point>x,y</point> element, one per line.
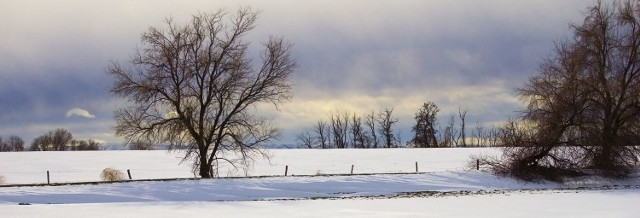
<point>111,175</point>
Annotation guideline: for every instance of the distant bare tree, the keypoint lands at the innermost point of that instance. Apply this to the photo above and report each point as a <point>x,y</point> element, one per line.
<point>56,140</point>
<point>386,120</point>
<point>193,86</point>
<point>41,143</point>
<point>399,140</point>
<point>479,135</point>
<point>358,134</point>
<point>60,139</point>
<point>370,122</point>
<point>323,132</point>
<point>340,129</point>
<point>448,136</point>
<point>84,145</point>
<point>463,135</point>
<point>305,139</point>
<point>494,137</point>
<point>13,143</point>
<point>141,145</point>
<point>425,127</point>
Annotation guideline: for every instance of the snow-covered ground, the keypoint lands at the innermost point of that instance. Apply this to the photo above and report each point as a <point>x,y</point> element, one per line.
<point>85,166</point>
<point>444,188</point>
<point>597,204</point>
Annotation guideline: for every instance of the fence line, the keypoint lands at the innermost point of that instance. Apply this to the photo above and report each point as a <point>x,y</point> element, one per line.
<point>289,170</point>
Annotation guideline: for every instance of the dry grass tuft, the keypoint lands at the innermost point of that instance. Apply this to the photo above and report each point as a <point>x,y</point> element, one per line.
<point>111,175</point>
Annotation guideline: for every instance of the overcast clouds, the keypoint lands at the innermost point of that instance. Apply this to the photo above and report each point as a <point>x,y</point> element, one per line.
<point>359,56</point>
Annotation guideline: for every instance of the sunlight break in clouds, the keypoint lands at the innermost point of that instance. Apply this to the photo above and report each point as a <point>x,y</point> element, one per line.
<point>80,113</point>
<point>358,56</point>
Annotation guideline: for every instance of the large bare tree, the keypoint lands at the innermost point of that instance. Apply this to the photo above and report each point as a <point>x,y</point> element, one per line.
<point>585,103</point>
<point>193,86</point>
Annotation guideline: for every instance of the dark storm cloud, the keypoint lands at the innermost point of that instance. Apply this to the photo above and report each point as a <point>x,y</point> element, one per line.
<point>359,56</point>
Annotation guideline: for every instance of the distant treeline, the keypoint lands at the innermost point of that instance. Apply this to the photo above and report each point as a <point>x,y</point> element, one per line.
<point>55,140</point>
<point>377,130</point>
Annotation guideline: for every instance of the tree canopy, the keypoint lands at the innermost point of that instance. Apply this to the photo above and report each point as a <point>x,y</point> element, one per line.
<point>194,86</point>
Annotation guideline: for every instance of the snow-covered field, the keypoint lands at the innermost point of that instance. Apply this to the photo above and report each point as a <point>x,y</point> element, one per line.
<point>443,188</point>
<point>85,166</point>
<point>597,204</point>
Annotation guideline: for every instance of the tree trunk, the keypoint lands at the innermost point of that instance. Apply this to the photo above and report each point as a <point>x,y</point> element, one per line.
<point>205,167</point>
<point>604,161</point>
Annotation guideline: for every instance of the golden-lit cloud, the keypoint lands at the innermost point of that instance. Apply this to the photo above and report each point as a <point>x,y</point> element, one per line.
<point>357,56</point>
<point>304,112</point>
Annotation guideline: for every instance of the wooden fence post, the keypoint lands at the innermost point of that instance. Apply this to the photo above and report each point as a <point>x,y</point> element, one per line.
<point>129,172</point>
<point>351,169</point>
<point>417,167</point>
<point>48,178</point>
<point>478,164</point>
<point>286,170</point>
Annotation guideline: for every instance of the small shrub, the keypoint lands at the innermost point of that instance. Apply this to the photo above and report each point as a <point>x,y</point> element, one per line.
<point>111,175</point>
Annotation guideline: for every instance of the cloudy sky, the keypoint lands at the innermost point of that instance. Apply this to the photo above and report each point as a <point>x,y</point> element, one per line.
<point>356,56</point>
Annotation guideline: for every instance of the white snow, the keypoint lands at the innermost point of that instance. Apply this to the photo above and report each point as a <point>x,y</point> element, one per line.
<point>85,166</point>
<point>618,204</point>
<point>441,170</point>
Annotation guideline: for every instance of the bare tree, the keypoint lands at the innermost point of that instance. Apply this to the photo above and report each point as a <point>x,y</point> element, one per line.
<point>3,145</point>
<point>584,106</point>
<point>194,86</point>
<point>399,140</point>
<point>141,145</point>
<point>56,140</point>
<point>84,145</point>
<point>60,139</point>
<point>305,139</point>
<point>448,136</point>
<point>370,122</point>
<point>425,127</point>
<point>41,143</point>
<point>386,120</point>
<point>15,143</point>
<point>479,135</point>
<point>340,129</point>
<point>463,135</point>
<point>358,134</point>
<point>323,132</point>
<point>494,137</point>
